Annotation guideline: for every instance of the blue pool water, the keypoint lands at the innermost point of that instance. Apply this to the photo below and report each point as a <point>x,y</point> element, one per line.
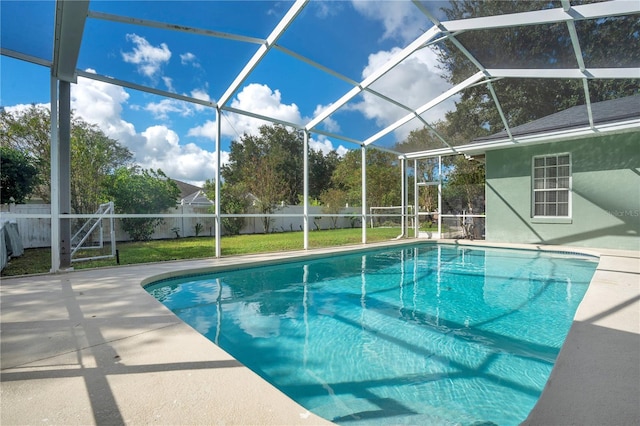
<point>423,335</point>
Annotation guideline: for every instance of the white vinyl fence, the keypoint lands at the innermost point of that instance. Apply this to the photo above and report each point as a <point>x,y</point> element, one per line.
<point>36,232</point>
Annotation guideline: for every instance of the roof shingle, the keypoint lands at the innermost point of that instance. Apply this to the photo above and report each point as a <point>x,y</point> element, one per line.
<point>575,117</point>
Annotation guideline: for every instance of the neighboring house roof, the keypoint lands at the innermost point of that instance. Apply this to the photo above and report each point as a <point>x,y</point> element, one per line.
<point>198,197</point>
<point>186,188</point>
<point>191,194</point>
<point>604,112</point>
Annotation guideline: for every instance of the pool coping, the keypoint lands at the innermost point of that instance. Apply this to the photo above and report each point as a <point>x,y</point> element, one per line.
<point>122,357</point>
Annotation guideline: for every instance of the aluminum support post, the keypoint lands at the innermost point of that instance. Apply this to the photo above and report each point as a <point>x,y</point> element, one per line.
<point>404,196</point>
<point>64,161</point>
<point>364,194</point>
<point>440,196</point>
<point>305,191</point>
<point>55,186</point>
<point>218,219</point>
<point>416,193</point>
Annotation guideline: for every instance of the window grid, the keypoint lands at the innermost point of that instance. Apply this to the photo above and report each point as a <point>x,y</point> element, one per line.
<point>551,185</point>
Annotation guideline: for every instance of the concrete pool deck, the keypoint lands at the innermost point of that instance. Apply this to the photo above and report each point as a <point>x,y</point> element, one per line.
<point>92,347</point>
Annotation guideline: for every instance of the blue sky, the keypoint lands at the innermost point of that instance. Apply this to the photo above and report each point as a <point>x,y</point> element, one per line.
<point>352,38</point>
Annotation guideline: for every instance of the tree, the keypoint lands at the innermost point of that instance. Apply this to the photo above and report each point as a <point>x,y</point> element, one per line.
<point>269,166</point>
<point>267,185</point>
<point>423,139</point>
<point>233,200</point>
<point>93,154</point>
<point>465,184</point>
<point>140,191</point>
<point>283,149</point>
<point>18,175</point>
<point>383,178</point>
<point>29,132</point>
<point>605,44</point>
<point>347,177</point>
<point>94,157</point>
<point>321,169</point>
<point>333,200</point>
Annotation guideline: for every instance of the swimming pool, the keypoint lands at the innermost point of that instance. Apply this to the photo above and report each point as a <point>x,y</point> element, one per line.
<point>431,334</point>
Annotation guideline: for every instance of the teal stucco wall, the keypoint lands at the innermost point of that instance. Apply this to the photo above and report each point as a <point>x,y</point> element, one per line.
<point>605,194</point>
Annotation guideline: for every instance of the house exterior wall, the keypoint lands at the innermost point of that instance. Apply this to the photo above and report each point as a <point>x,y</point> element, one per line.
<point>605,194</point>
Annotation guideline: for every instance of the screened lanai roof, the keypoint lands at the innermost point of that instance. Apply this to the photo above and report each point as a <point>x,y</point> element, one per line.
<point>391,83</point>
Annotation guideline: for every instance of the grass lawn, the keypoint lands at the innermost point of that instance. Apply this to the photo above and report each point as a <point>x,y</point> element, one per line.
<point>39,260</point>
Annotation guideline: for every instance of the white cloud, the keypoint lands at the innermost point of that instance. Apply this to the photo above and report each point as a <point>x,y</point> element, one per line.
<point>260,99</point>
<point>148,58</point>
<point>168,81</point>
<point>101,104</point>
<point>189,59</point>
<point>161,110</point>
<point>325,146</point>
<point>324,9</point>
<point>202,95</point>
<point>413,82</point>
<point>159,146</point>
<point>401,19</point>
<point>206,130</point>
<point>156,147</point>
<point>18,109</point>
<point>329,123</point>
<point>184,162</point>
<point>256,98</point>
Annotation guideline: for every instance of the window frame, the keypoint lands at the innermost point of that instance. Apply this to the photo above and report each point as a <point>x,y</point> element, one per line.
<point>545,180</point>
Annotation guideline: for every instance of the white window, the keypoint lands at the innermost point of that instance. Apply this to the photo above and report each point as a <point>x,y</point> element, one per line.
<point>552,186</point>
